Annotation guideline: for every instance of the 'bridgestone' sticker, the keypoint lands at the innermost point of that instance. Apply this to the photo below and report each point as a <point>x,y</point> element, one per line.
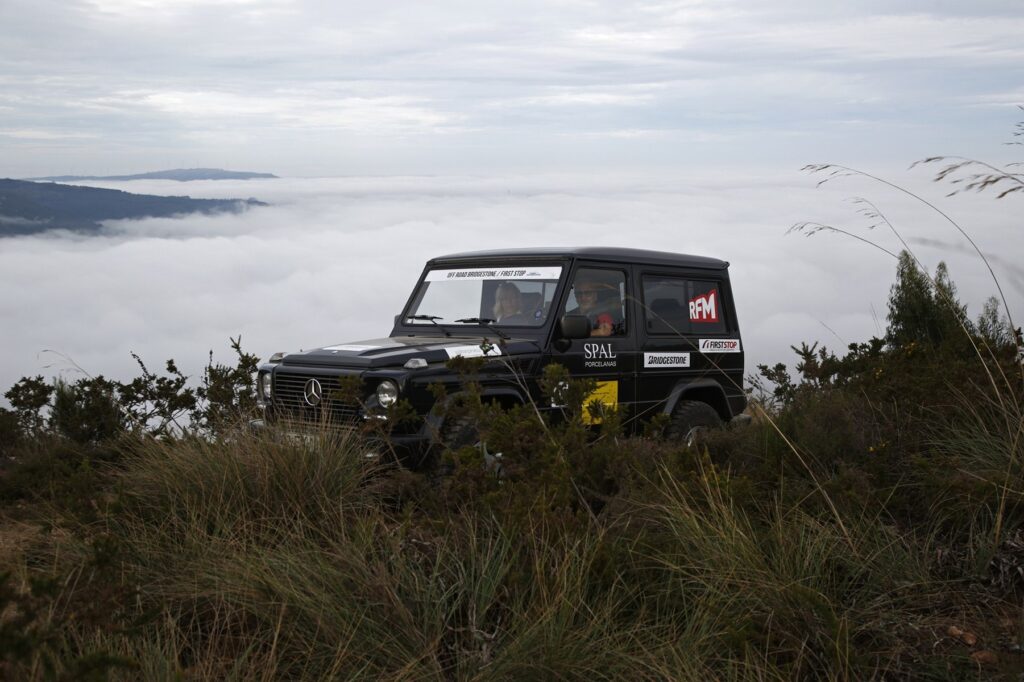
<point>719,345</point>
<point>471,351</point>
<point>666,359</point>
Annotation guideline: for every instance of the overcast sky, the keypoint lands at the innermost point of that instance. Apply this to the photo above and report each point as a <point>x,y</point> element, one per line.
<point>311,88</point>
<point>404,130</point>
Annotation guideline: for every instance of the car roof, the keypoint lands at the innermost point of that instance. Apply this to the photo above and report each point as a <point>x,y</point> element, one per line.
<point>599,253</point>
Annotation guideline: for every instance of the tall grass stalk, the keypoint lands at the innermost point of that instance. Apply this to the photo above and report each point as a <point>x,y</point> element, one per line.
<point>837,170</point>
<point>1007,409</point>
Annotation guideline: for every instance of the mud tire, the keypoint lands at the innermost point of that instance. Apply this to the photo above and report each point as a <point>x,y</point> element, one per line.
<point>690,419</point>
<point>463,432</point>
<point>458,432</point>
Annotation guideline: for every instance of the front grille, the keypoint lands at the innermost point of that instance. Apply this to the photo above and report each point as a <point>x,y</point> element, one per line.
<point>290,400</point>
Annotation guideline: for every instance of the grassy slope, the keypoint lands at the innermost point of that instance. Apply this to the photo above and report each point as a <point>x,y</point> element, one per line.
<point>866,547</point>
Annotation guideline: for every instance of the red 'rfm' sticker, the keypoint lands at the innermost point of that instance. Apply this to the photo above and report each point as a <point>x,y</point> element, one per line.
<point>704,308</point>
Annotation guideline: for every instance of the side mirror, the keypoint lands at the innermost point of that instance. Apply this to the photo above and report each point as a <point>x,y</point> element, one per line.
<point>574,327</point>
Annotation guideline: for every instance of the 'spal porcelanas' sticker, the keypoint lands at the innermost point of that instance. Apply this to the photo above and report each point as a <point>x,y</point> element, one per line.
<point>472,351</point>
<point>719,346</point>
<point>355,347</point>
<point>599,355</point>
<point>666,359</point>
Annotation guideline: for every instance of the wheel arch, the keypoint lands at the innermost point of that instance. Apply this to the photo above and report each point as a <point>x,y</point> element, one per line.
<point>504,396</point>
<point>705,390</point>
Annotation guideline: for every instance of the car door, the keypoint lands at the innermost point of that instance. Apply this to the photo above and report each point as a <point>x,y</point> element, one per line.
<point>685,335</point>
<point>610,359</point>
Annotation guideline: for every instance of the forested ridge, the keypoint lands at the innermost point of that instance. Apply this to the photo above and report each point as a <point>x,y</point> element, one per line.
<point>37,207</point>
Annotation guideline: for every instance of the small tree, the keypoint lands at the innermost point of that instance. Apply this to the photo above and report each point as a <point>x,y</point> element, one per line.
<point>922,309</point>
<point>29,397</point>
<point>87,411</point>
<point>993,327</point>
<point>227,394</point>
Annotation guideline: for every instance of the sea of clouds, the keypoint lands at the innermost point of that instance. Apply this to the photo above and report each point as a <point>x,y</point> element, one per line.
<point>334,259</point>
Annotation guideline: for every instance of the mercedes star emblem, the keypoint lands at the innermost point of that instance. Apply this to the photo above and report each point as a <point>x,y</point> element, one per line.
<point>313,392</point>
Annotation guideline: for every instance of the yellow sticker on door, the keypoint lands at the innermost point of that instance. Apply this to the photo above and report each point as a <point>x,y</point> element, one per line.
<point>607,394</point>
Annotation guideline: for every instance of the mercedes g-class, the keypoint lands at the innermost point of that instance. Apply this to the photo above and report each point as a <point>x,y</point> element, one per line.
<point>656,331</point>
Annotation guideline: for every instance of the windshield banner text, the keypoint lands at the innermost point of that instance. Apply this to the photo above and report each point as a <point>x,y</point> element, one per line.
<point>502,273</point>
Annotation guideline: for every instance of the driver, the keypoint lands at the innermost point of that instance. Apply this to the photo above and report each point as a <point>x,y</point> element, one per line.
<point>587,293</point>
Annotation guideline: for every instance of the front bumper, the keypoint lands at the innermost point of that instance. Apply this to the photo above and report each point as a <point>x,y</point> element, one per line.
<point>409,450</point>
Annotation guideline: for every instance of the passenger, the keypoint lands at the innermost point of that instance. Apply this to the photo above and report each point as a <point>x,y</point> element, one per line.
<point>508,304</point>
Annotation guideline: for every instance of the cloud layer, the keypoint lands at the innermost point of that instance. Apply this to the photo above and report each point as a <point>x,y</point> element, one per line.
<point>334,259</point>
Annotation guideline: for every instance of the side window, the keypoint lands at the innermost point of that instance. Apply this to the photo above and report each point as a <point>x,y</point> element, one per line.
<point>666,305</point>
<point>600,295</point>
<point>680,306</point>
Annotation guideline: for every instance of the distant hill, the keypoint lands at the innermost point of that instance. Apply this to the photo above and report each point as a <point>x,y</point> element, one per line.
<point>179,174</point>
<point>35,207</point>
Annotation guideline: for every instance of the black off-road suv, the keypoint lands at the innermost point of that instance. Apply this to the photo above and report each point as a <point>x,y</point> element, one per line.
<point>656,331</point>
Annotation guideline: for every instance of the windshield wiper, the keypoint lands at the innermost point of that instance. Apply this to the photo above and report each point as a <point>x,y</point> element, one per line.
<point>487,322</point>
<point>432,319</point>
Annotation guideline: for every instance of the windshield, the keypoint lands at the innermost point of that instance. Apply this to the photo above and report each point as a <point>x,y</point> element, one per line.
<point>514,296</point>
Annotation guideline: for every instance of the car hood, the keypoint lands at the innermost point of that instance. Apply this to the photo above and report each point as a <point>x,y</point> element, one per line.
<point>396,351</point>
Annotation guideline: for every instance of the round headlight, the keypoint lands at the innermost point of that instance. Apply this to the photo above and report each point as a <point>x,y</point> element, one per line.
<point>387,393</point>
<point>265,385</point>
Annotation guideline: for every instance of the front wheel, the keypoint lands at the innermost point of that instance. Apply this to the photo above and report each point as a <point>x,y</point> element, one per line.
<point>460,432</point>
<point>690,419</point>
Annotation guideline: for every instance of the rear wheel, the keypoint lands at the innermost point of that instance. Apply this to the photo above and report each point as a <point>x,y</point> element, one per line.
<point>690,419</point>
